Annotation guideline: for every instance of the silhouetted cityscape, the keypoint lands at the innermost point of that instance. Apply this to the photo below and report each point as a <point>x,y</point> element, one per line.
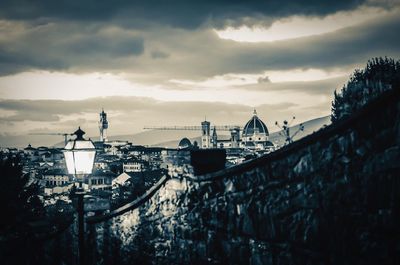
<point>199,132</point>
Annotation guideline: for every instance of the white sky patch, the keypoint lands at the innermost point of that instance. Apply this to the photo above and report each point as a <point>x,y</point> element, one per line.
<point>302,75</point>
<point>68,86</point>
<point>301,26</point>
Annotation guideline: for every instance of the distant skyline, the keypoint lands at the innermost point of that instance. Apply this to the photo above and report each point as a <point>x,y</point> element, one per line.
<point>174,62</point>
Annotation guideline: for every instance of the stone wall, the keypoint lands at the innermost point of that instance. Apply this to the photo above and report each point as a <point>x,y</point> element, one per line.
<point>330,198</point>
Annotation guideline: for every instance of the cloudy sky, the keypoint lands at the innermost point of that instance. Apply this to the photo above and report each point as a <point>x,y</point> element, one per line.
<point>175,62</point>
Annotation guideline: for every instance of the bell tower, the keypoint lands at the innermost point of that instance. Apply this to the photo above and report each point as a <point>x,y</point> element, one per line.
<point>205,134</point>
<point>103,126</point>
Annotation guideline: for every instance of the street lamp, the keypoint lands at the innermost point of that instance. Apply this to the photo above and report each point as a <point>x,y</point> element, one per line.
<point>79,156</point>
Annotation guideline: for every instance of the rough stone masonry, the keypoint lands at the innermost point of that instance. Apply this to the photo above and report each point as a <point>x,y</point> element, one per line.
<point>330,198</point>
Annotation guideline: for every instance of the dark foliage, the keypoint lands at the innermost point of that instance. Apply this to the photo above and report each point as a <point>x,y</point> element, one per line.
<point>20,201</point>
<point>379,75</point>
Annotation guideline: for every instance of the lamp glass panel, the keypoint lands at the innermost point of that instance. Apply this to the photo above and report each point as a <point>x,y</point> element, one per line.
<point>69,160</point>
<point>79,157</point>
<point>83,145</point>
<point>84,161</point>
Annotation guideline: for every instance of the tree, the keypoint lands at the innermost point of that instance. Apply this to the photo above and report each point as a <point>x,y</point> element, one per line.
<point>20,200</point>
<point>335,107</point>
<point>379,75</point>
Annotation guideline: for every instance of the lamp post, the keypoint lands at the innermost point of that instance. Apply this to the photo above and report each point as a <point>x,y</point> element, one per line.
<point>79,156</point>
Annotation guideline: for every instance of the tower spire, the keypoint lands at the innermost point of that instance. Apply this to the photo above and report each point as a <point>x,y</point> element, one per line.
<point>214,138</point>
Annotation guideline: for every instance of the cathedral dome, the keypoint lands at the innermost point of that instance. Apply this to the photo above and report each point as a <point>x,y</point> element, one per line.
<point>184,143</point>
<point>255,126</point>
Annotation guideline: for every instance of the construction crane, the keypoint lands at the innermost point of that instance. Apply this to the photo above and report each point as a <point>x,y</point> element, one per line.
<point>63,134</point>
<point>191,128</point>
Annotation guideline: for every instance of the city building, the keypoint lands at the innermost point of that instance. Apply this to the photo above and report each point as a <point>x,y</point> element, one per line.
<point>133,166</point>
<point>56,177</point>
<point>121,180</point>
<point>101,180</point>
<point>29,150</point>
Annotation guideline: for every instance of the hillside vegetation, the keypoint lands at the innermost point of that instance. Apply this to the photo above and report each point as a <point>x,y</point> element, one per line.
<point>379,75</point>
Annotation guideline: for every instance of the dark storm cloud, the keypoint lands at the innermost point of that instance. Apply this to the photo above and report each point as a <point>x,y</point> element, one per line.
<point>159,55</point>
<point>96,45</point>
<point>13,61</point>
<point>53,46</point>
<point>180,13</point>
<point>182,54</point>
<point>51,110</point>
